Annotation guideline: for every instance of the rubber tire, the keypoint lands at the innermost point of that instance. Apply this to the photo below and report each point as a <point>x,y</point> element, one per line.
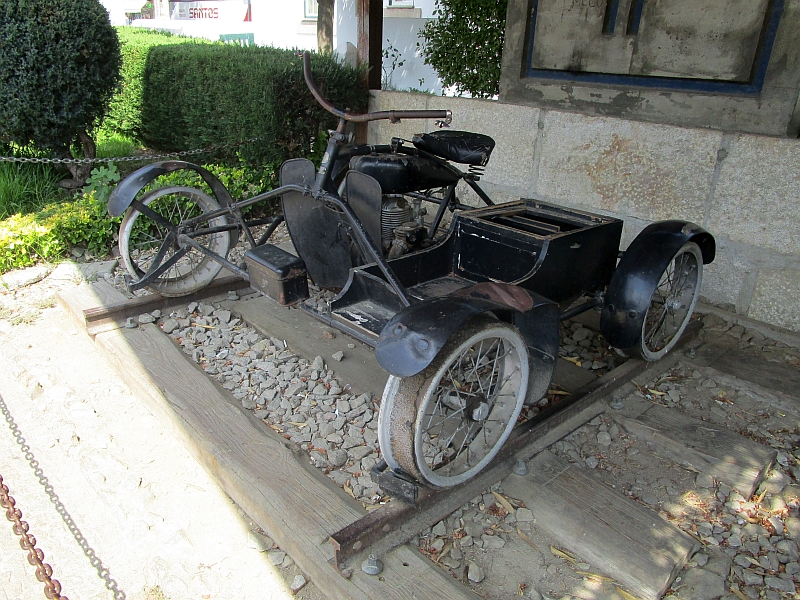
<point>689,259</point>
<point>202,272</point>
<point>405,400</point>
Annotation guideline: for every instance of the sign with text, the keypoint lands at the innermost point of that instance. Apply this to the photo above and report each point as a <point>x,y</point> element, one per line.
<point>209,10</point>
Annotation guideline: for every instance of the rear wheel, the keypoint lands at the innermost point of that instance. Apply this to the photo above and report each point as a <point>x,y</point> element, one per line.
<point>447,423</point>
<point>142,238</point>
<point>671,304</point>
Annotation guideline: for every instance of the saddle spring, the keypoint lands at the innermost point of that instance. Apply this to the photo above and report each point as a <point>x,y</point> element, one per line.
<point>476,172</point>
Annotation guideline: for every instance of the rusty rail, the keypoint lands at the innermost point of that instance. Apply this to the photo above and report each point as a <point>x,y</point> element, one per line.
<point>392,525</point>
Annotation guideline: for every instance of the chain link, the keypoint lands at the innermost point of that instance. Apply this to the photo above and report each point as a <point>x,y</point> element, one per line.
<point>13,514</point>
<point>86,161</point>
<point>44,572</point>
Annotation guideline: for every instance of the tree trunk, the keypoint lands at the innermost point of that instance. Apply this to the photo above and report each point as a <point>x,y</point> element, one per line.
<point>325,26</point>
<point>80,171</point>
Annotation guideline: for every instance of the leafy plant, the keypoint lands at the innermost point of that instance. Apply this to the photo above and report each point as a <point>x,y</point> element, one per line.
<point>393,55</point>
<point>60,63</point>
<point>464,44</point>
<point>49,233</point>
<point>102,181</point>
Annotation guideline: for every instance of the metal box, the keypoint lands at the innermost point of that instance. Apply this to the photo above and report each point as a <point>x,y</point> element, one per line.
<point>278,274</point>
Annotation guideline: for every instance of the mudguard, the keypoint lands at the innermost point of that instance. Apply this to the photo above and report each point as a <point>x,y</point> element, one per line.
<point>125,192</point>
<point>413,337</point>
<point>637,274</point>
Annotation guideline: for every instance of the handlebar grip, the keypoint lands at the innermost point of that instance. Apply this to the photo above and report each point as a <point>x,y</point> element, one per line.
<point>393,116</point>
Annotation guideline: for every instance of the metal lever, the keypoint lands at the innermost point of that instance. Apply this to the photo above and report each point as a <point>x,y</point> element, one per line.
<point>446,122</point>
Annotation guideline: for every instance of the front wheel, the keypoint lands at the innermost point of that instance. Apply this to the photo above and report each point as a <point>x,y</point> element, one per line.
<point>142,239</point>
<point>445,424</point>
<point>671,304</point>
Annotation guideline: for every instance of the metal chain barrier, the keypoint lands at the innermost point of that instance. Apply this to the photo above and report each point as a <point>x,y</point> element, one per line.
<point>44,572</point>
<point>153,157</point>
<point>13,514</point>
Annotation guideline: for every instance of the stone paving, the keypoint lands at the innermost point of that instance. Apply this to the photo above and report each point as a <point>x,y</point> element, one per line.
<point>147,520</point>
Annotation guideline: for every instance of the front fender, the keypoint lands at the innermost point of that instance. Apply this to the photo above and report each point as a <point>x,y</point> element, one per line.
<point>123,195</point>
<point>638,272</point>
<point>413,337</point>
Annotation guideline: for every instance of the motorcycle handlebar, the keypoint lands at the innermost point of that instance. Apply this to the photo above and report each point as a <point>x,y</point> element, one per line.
<point>394,116</point>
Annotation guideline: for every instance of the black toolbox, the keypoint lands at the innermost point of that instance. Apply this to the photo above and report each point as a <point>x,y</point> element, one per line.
<point>278,274</point>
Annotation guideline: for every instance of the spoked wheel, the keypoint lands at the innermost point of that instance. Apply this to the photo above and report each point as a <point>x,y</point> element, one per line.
<point>672,304</point>
<point>445,424</point>
<point>142,239</point>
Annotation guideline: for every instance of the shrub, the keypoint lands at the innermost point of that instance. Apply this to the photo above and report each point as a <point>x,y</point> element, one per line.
<point>242,182</point>
<point>464,44</point>
<point>197,95</point>
<point>59,66</point>
<point>48,234</point>
<point>124,114</point>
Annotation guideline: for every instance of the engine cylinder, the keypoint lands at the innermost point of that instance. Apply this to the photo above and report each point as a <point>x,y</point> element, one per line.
<point>394,212</point>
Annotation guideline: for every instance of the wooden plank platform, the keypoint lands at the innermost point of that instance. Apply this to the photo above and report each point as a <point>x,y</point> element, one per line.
<point>89,295</point>
<point>266,475</point>
<point>617,535</point>
<point>717,451</point>
<point>726,356</point>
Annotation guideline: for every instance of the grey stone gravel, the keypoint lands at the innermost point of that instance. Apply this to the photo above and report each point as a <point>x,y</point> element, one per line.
<point>300,398</point>
<point>475,573</point>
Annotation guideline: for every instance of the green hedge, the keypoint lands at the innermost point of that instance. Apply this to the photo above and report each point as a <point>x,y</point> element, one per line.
<point>125,112</point>
<point>196,95</point>
<point>183,93</point>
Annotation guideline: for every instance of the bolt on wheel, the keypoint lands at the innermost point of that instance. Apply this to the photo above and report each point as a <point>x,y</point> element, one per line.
<point>142,239</point>
<point>444,425</point>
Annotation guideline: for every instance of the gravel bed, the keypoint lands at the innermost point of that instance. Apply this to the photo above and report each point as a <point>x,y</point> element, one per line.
<point>300,399</point>
<point>750,545</point>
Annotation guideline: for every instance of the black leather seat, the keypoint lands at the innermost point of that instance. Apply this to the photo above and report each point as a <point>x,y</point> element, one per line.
<point>460,147</point>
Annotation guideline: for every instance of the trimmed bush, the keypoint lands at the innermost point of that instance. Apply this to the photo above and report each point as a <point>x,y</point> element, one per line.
<point>197,95</point>
<point>124,114</point>
<point>59,66</point>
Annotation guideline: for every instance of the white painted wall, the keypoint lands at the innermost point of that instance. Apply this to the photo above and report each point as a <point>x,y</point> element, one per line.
<point>281,23</point>
<point>400,32</point>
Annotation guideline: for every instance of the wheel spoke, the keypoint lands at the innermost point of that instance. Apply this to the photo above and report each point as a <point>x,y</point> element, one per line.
<point>671,303</point>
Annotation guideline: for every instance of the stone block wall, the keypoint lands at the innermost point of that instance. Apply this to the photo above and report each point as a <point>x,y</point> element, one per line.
<point>745,189</point>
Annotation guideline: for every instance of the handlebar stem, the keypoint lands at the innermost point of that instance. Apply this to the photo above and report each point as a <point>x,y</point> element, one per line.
<point>393,116</point>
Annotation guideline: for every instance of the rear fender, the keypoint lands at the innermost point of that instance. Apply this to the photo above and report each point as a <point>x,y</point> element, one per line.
<point>413,337</point>
<point>637,274</point>
<point>125,192</point>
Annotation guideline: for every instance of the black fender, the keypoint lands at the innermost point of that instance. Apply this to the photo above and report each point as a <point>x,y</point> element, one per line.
<point>413,337</point>
<point>125,192</point>
<point>636,276</point>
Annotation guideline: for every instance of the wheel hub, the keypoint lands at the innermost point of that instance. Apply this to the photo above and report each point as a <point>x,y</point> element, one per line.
<point>478,408</point>
<point>675,304</point>
<point>481,412</point>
